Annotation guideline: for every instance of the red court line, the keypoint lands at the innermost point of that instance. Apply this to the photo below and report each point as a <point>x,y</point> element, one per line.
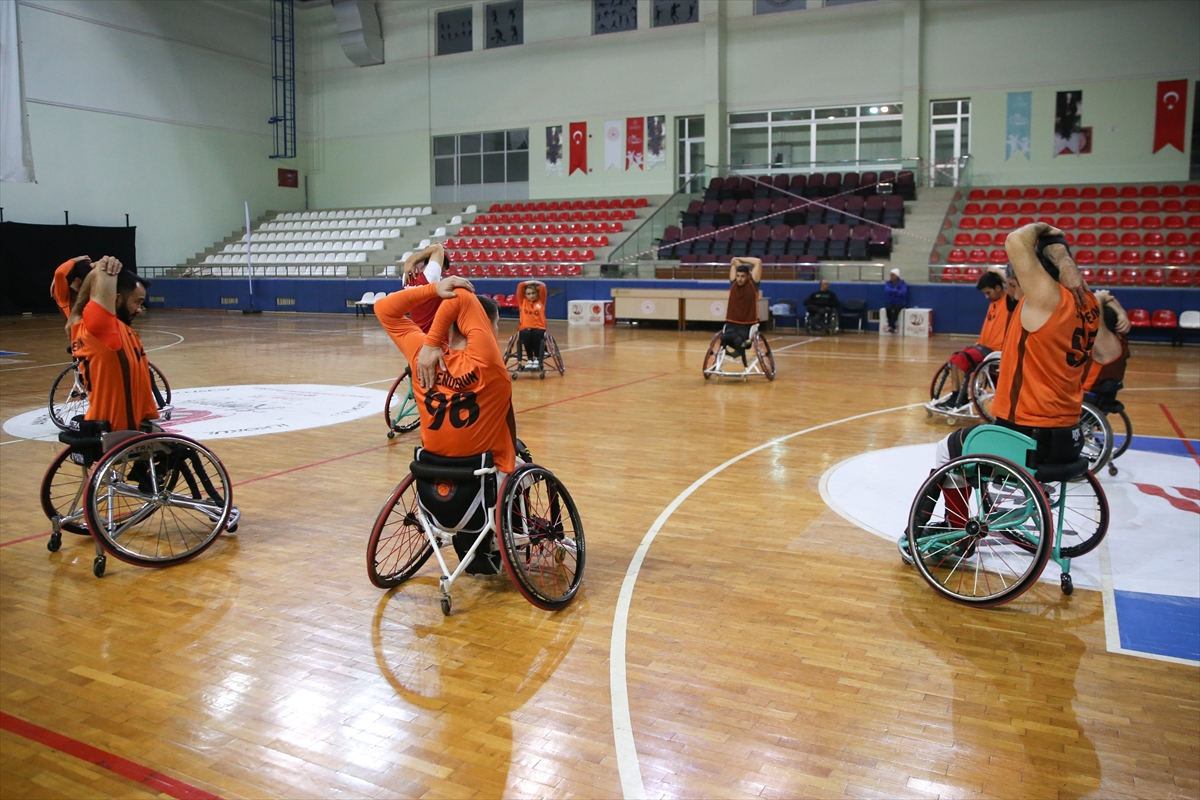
<point>26,538</point>
<point>156,781</point>
<point>589,394</point>
<point>1179,432</point>
<point>316,464</point>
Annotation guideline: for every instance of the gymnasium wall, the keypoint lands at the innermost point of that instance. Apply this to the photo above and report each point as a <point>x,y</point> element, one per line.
<point>153,109</point>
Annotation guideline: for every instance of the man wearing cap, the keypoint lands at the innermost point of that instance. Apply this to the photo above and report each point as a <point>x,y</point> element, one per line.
<point>896,292</point>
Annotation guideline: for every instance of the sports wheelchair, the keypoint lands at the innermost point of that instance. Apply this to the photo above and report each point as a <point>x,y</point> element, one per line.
<point>460,502</point>
<point>973,400</point>
<point>1019,515</point>
<point>400,409</point>
<point>69,398</point>
<point>151,499</point>
<point>1104,399</point>
<point>549,353</point>
<point>823,319</point>
<point>724,350</point>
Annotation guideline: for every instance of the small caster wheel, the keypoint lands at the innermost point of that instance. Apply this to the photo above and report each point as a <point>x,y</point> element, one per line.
<point>446,606</point>
<point>1068,585</point>
<point>928,414</point>
<point>231,528</point>
<point>949,420</point>
<point>391,434</point>
<point>55,542</point>
<point>542,376</point>
<point>1112,469</point>
<point>167,416</point>
<point>514,376</point>
<point>98,566</point>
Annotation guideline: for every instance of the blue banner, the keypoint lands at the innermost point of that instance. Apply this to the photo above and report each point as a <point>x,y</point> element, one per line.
<point>1017,137</point>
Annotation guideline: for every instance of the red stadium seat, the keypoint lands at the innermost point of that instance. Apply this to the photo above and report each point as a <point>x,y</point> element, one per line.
<point>1153,277</point>
<point>1173,223</point>
<point>1149,191</point>
<point>1131,258</point>
<point>1065,223</point>
<point>1107,276</point>
<point>1129,207</point>
<point>1108,207</point>
<point>1006,223</point>
<point>1195,239</point>
<point>1106,257</point>
<point>1012,194</point>
<point>1085,257</point>
<point>1007,208</point>
<point>1178,239</point>
<point>1028,208</point>
<point>1032,194</point>
<point>1070,191</point>
<point>1108,191</point>
<point>950,274</point>
<point>1068,207</point>
<point>986,223</point>
<point>1129,191</point>
<point>1138,318</point>
<point>1052,193</point>
<point>976,194</point>
<point>1196,260</point>
<point>1191,190</point>
<point>1193,222</point>
<point>995,194</point>
<point>977,257</point>
<point>1023,221</point>
<point>1131,277</point>
<point>1164,318</point>
<point>1179,277</point>
<point>1154,258</point>
<point>998,239</point>
<point>1089,193</point>
<point>967,223</point>
<point>1108,223</point>
<point>957,256</point>
<point>1089,275</point>
<point>1048,207</point>
<point>1177,258</point>
<point>1192,205</point>
<point>1131,240</point>
<point>1172,206</point>
<point>1152,239</point>
<point>1087,240</point>
<point>1109,239</point>
<point>972,209</point>
<point>1151,207</point>
<point>1171,191</point>
<point>1087,223</point>
<point>998,257</point>
<point>962,240</point>
<point>982,240</point>
<point>1130,223</point>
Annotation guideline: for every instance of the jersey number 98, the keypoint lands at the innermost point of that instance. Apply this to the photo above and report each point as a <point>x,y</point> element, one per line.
<point>461,408</point>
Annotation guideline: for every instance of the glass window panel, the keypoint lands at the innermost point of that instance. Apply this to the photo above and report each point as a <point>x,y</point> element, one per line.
<point>834,113</point>
<point>518,140</point>
<point>836,141</point>
<point>879,139</point>
<point>470,170</point>
<point>493,141</point>
<point>518,166</point>
<point>736,119</point>
<point>747,147</point>
<point>681,127</point>
<point>443,172</point>
<point>468,143</point>
<point>784,116</point>
<point>950,107</point>
<point>964,135</point>
<point>944,120</point>
<point>891,108</point>
<point>966,106</point>
<point>443,145</point>
<point>790,145</point>
<point>454,31</point>
<point>493,168</point>
<point>695,127</point>
<point>681,166</point>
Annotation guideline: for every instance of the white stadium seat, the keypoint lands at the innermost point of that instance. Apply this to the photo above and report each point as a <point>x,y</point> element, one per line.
<point>456,220</point>
<point>440,232</point>
<point>470,210</point>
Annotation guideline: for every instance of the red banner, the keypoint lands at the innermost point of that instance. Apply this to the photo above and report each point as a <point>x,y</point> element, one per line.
<point>579,145</point>
<point>1170,117</point>
<point>635,140</point>
<point>290,178</point>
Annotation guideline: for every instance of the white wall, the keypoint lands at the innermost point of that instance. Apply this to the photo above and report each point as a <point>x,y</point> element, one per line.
<point>120,122</point>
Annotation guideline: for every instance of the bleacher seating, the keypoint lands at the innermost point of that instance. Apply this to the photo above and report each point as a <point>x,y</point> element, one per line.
<point>1131,226</point>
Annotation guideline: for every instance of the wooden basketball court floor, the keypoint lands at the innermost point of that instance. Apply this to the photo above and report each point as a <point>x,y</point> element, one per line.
<point>757,645</point>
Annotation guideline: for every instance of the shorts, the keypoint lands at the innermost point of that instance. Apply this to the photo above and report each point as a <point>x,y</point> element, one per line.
<point>970,358</point>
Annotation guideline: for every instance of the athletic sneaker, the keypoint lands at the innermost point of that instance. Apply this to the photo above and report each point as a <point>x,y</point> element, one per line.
<point>531,364</point>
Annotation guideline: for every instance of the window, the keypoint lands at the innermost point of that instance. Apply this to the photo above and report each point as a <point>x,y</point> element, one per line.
<point>468,159</point>
<point>795,138</point>
<point>675,12</point>
<point>454,31</point>
<point>612,16</point>
<point>504,24</point>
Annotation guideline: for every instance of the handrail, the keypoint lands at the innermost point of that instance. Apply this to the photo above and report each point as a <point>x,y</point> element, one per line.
<point>644,238</point>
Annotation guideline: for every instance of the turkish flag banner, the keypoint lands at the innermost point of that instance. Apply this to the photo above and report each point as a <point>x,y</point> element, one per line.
<point>1170,117</point>
<point>579,144</point>
<point>634,142</point>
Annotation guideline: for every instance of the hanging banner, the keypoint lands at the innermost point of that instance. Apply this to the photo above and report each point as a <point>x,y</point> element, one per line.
<point>656,141</point>
<point>16,152</point>
<point>554,150</point>
<point>635,142</point>
<point>579,145</point>
<point>1069,134</point>
<point>612,144</point>
<point>1020,111</point>
<point>1170,116</point>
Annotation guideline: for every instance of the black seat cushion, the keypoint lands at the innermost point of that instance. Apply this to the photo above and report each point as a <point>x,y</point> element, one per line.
<point>450,491</point>
<point>1055,473</point>
<point>84,440</point>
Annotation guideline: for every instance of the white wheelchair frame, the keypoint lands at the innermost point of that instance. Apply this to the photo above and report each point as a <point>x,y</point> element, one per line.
<point>974,383</point>
<point>762,363</point>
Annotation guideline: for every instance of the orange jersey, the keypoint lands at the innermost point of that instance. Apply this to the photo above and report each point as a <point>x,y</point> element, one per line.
<point>115,371</point>
<point>60,290</point>
<point>533,312</point>
<point>742,308</point>
<point>995,325</point>
<point>1041,374</point>
<point>469,411</point>
<point>1113,371</point>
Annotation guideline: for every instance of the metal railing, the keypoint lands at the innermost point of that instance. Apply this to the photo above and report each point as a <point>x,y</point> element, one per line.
<point>641,244</point>
<point>915,164</point>
<point>854,271</point>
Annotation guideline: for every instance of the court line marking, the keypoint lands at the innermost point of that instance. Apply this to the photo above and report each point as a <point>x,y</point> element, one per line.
<point>66,363</point>
<point>1179,432</point>
<point>796,344</point>
<point>151,779</point>
<point>628,767</point>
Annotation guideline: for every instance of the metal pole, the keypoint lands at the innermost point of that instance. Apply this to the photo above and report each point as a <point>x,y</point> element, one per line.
<point>249,267</point>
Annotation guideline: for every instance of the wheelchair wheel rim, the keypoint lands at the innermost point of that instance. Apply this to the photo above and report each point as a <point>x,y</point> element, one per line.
<point>542,537</point>
<point>397,548</point>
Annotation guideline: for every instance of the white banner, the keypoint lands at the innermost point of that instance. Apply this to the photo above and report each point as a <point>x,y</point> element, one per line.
<point>16,154</point>
<point>614,140</point>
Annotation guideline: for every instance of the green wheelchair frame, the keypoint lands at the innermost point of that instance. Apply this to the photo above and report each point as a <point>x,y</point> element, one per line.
<point>400,409</point>
<point>1003,546</point>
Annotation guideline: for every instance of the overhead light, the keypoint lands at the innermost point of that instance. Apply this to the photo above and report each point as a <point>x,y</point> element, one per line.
<point>884,109</point>
<point>875,109</point>
<point>831,116</point>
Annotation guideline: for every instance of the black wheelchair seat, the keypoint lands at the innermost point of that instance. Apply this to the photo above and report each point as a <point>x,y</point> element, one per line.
<point>1056,473</point>
<point>458,500</point>
<point>85,440</point>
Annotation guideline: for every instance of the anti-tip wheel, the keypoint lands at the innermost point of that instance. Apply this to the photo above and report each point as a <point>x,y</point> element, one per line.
<point>55,542</point>
<point>1112,468</point>
<point>1068,585</point>
<point>98,566</point>
<point>391,434</point>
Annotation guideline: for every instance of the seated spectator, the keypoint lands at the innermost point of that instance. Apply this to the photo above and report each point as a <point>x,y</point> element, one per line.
<point>896,292</point>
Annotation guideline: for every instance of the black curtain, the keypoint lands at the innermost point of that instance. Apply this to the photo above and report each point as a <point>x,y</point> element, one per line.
<point>29,254</point>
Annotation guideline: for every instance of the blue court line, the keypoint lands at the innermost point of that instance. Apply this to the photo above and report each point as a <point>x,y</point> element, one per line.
<point>1166,445</point>
<point>6,353</point>
<point>1166,625</point>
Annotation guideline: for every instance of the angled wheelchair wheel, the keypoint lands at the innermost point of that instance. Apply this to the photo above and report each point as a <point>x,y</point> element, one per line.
<point>1097,437</point>
<point>710,358</point>
<point>158,499</point>
<point>511,362</point>
<point>982,388</point>
<point>400,409</point>
<point>62,493</point>
<point>1122,430</point>
<point>1084,515</point>
<point>68,398</point>
<point>999,550</point>
<point>397,548</point>
<point>766,359</point>
<point>551,348</point>
<point>541,537</point>
<point>159,386</point>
